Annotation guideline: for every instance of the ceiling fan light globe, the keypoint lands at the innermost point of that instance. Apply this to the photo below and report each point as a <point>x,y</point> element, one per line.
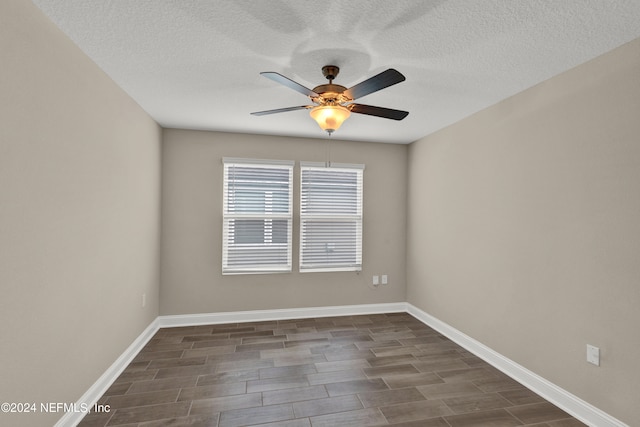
<point>329,117</point>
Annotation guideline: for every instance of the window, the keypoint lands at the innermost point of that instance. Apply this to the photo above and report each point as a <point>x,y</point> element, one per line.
<point>330,217</point>
<point>257,216</point>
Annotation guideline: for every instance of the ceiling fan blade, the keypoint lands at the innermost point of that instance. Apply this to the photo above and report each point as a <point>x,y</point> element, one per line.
<point>386,113</point>
<point>279,78</point>
<point>281,110</point>
<point>375,83</point>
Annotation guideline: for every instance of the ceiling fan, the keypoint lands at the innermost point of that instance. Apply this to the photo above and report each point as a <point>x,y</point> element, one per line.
<point>333,104</point>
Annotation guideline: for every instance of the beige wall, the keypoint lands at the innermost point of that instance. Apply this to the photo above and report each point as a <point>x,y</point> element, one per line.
<point>79,216</point>
<point>192,225</point>
<point>524,229</point>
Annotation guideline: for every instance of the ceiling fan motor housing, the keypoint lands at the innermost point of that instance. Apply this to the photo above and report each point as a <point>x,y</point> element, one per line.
<point>330,93</point>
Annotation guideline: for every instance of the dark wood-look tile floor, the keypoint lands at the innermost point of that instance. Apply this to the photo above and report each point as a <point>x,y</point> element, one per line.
<point>374,370</point>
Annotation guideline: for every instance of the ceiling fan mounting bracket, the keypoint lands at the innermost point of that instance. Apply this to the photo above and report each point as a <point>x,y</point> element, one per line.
<point>330,72</point>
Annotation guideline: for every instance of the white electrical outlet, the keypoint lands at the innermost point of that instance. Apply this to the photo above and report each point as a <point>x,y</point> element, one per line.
<point>376,280</point>
<point>385,279</point>
<point>593,355</point>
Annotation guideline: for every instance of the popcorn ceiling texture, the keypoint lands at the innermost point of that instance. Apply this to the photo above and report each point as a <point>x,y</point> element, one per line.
<point>195,64</point>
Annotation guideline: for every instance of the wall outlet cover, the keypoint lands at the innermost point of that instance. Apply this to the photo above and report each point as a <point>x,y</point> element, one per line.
<point>593,355</point>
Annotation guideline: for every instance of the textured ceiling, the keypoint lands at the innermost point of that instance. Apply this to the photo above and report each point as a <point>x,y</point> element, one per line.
<point>195,64</point>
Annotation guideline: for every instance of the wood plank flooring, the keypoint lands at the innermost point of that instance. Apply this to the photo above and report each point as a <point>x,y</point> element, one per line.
<point>373,370</point>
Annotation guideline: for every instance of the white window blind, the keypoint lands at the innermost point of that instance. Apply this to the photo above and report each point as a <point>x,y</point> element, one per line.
<point>330,217</point>
<point>257,216</point>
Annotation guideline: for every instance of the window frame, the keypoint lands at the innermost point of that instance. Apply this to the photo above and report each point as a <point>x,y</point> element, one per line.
<point>228,216</point>
<point>356,218</point>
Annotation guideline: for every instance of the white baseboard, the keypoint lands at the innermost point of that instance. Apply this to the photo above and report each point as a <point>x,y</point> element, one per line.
<point>280,314</point>
<point>566,401</point>
<point>95,392</point>
<point>91,396</point>
<point>573,405</point>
